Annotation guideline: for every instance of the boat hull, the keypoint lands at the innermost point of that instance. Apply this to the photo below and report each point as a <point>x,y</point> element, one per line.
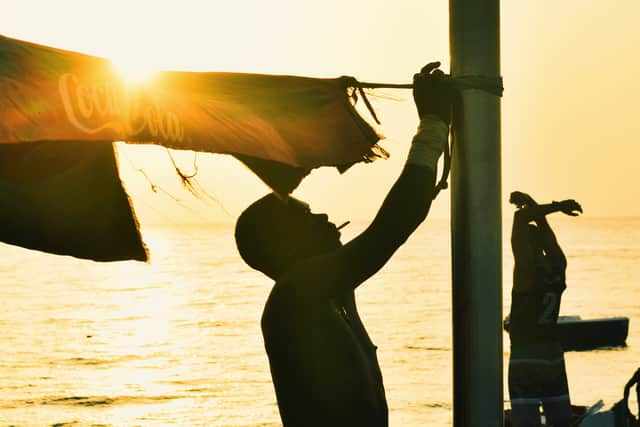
<point>578,334</point>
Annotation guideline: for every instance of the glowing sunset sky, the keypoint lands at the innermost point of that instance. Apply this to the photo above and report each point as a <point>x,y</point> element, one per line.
<point>571,122</point>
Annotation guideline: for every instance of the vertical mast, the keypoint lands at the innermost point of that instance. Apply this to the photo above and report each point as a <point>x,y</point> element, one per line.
<point>474,30</point>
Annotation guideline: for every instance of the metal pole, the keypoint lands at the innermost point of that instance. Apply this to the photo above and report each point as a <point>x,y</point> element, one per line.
<point>474,30</point>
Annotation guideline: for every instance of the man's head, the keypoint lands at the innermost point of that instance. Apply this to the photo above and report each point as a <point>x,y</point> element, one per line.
<point>275,233</point>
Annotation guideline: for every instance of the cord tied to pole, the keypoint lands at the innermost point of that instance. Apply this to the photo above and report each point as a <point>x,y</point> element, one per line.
<point>491,85</point>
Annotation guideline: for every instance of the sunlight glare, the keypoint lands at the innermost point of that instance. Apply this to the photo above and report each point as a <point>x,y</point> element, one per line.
<point>133,70</point>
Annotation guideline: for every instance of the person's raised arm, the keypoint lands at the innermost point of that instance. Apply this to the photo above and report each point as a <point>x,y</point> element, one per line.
<point>548,238</point>
<point>532,211</point>
<point>523,253</point>
<point>406,204</point>
<point>520,246</point>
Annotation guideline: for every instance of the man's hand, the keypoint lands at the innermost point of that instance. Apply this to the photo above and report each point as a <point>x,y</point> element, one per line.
<point>521,199</point>
<point>431,93</point>
<point>570,207</point>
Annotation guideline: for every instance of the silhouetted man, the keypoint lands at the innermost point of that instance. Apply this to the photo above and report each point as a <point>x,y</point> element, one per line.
<point>323,364</point>
<point>536,367</point>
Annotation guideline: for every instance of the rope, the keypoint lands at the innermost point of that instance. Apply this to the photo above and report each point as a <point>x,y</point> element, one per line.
<point>491,85</point>
<point>156,189</point>
<point>185,178</point>
<point>193,185</point>
<point>446,168</point>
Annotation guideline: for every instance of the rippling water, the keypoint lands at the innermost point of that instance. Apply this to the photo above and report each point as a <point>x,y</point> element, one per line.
<point>177,341</point>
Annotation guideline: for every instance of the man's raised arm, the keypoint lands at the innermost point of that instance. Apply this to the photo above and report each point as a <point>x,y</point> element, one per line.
<point>532,211</point>
<point>548,237</point>
<point>406,204</point>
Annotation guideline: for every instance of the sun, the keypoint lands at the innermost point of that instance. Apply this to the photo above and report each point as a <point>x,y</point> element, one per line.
<point>133,70</point>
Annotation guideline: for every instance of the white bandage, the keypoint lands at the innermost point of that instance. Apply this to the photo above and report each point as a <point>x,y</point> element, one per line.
<point>429,142</point>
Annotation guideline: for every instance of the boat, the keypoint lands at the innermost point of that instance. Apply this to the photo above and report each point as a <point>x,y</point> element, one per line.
<point>577,334</point>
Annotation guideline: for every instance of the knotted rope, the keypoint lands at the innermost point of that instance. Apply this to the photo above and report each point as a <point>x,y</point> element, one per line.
<point>492,85</point>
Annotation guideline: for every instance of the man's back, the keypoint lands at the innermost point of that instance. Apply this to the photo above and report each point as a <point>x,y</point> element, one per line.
<point>534,314</point>
<point>323,364</point>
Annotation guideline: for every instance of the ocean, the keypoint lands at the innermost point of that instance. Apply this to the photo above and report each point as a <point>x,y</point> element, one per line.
<point>177,342</point>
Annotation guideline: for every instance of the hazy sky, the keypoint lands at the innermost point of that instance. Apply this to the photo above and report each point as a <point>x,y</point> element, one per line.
<point>571,70</point>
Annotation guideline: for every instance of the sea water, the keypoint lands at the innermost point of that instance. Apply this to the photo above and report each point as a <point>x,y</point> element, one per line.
<point>177,342</point>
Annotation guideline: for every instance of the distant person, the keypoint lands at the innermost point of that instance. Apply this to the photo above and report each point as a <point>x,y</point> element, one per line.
<point>323,364</point>
<point>536,367</point>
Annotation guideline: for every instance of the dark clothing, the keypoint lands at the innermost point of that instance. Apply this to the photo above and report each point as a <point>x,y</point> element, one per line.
<point>536,379</point>
<point>324,366</point>
<point>534,314</point>
<point>537,372</point>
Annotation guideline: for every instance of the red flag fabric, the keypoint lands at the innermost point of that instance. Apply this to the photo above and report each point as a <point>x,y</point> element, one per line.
<point>69,104</point>
<point>54,95</point>
<point>66,198</point>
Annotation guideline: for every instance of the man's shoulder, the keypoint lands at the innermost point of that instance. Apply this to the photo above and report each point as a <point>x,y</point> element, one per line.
<point>282,300</point>
<point>272,311</point>
<point>292,296</point>
<point>277,297</point>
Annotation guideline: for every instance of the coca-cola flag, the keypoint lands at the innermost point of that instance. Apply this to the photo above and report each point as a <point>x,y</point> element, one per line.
<point>63,106</point>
